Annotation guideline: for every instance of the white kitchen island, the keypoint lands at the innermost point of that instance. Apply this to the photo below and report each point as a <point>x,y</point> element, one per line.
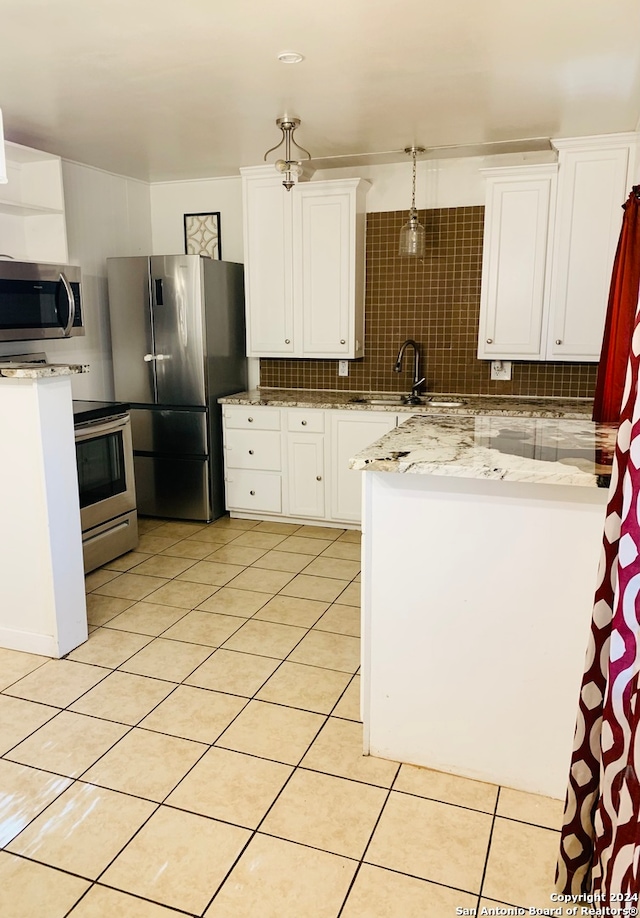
<point>481,540</point>
<point>42,597</point>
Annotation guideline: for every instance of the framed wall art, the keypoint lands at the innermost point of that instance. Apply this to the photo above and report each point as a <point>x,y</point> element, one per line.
<point>202,235</point>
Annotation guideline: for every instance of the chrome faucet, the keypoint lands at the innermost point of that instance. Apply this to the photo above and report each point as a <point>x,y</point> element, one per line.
<point>414,397</point>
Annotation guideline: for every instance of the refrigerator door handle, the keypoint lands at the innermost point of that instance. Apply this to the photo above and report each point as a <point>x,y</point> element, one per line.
<point>158,291</point>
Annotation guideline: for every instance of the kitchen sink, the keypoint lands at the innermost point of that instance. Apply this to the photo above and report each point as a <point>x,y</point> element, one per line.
<point>445,402</point>
<point>394,399</point>
<point>391,399</point>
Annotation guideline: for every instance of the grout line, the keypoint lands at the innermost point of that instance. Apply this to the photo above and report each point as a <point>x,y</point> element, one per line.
<point>134,896</point>
<point>369,840</point>
<point>255,831</point>
<point>325,719</point>
<point>486,860</point>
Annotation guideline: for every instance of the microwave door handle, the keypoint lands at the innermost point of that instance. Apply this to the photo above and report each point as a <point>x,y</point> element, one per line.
<point>72,305</point>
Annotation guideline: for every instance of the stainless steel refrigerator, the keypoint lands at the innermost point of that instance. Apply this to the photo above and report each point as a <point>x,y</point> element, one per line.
<point>177,331</point>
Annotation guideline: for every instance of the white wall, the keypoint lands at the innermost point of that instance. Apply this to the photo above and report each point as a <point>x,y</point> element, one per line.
<point>440,183</point>
<point>109,215</point>
<point>106,215</point>
<point>455,182</point>
<point>170,201</point>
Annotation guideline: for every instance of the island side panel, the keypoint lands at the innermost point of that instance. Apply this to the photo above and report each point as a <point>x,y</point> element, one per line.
<point>43,606</point>
<point>476,608</point>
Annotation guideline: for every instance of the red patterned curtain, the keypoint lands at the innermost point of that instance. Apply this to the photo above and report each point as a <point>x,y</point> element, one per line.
<point>600,842</point>
<point>623,299</point>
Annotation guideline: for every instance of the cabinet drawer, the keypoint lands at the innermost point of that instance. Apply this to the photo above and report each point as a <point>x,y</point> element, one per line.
<point>252,418</point>
<point>247,490</point>
<point>253,449</point>
<point>310,420</point>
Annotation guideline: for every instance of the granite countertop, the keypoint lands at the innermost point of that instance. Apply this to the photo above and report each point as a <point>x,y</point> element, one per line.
<point>40,370</point>
<point>545,450</point>
<point>469,404</point>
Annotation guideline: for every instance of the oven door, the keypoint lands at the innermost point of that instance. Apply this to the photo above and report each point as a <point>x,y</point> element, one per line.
<point>105,470</point>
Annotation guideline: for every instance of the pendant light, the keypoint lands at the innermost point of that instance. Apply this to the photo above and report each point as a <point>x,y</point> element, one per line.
<point>412,234</point>
<point>289,167</point>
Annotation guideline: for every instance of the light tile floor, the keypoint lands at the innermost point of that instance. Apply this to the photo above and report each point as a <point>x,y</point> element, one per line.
<point>201,753</point>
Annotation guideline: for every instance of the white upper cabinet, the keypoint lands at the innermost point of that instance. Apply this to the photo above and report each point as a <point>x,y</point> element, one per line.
<point>32,218</point>
<point>268,266</point>
<point>515,283</point>
<point>329,263</point>
<point>304,266</point>
<point>549,246</point>
<point>592,186</point>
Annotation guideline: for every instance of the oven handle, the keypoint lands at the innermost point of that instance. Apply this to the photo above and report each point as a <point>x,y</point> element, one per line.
<point>72,305</point>
<point>108,532</point>
<point>97,429</point>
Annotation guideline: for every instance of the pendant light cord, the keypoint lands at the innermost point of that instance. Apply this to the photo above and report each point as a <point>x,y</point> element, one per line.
<point>413,188</point>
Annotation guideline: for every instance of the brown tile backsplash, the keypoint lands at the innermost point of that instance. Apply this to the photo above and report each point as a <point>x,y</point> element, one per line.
<point>436,301</point>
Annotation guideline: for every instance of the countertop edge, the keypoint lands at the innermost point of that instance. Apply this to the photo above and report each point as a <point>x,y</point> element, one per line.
<point>554,451</point>
<point>39,371</point>
<point>473,405</point>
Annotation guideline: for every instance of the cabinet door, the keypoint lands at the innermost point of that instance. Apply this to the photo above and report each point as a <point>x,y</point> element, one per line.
<point>328,267</point>
<point>591,190</point>
<point>268,267</point>
<point>515,284</point>
<point>352,431</point>
<point>305,474</point>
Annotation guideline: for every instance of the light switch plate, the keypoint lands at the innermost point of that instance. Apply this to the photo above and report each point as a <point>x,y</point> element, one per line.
<point>343,368</point>
<point>501,369</point>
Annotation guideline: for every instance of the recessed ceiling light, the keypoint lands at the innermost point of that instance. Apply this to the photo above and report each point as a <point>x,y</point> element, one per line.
<point>290,57</point>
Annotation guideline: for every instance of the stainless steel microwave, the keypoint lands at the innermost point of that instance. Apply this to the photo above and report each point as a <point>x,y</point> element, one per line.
<point>39,301</point>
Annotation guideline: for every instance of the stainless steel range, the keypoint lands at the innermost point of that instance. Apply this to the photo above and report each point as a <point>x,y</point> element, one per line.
<point>105,478</point>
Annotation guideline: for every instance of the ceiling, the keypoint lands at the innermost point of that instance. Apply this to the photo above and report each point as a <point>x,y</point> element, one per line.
<point>162,90</point>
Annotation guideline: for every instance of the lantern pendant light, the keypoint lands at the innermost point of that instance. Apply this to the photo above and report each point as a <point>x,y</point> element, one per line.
<point>412,234</point>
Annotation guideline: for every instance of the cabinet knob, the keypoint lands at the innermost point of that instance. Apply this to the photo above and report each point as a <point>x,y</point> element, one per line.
<point>318,477</point>
<point>558,340</point>
<point>250,420</point>
<point>252,493</point>
<point>489,340</point>
<point>251,452</point>
<point>304,423</point>
<point>287,340</point>
<point>342,341</point>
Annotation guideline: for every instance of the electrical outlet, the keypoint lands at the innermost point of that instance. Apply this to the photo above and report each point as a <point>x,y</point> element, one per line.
<point>501,369</point>
<point>343,368</point>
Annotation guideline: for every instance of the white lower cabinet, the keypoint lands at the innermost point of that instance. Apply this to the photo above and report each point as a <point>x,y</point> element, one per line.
<point>256,492</point>
<point>305,474</point>
<point>251,449</point>
<point>252,459</point>
<point>351,432</point>
<point>294,462</point>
